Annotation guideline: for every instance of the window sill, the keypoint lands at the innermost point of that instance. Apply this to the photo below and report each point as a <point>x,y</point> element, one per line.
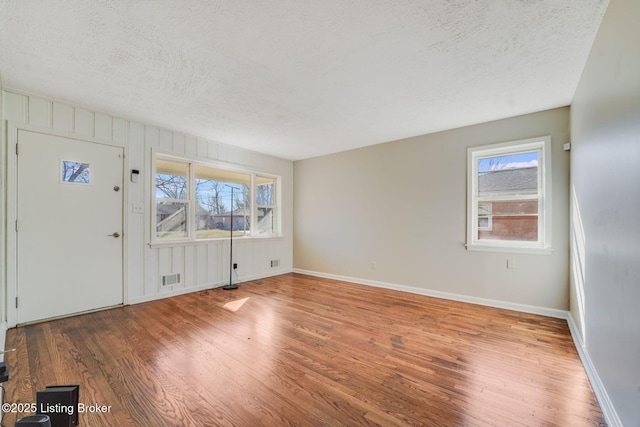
<point>178,243</point>
<point>509,249</point>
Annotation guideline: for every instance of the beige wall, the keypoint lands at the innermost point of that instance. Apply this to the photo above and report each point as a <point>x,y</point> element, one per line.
<point>402,206</point>
<point>605,178</point>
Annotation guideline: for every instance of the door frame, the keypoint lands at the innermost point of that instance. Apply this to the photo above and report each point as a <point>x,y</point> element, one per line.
<point>12,210</point>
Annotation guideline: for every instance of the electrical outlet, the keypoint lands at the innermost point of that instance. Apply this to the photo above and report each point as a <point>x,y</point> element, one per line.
<point>511,263</point>
<point>235,265</point>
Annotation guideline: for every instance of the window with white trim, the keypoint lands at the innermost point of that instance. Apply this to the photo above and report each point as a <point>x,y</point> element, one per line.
<point>509,196</point>
<point>195,201</point>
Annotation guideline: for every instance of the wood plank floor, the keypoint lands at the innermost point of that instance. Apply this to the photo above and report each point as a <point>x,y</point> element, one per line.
<point>299,350</point>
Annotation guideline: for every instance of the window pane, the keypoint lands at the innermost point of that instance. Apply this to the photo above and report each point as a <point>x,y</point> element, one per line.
<point>266,221</point>
<point>240,203</point>
<point>484,216</point>
<point>265,201</point>
<point>171,180</point>
<point>511,220</point>
<point>210,201</point>
<point>485,209</point>
<point>265,192</point>
<point>513,174</point>
<point>75,172</point>
<point>171,220</point>
<point>214,203</point>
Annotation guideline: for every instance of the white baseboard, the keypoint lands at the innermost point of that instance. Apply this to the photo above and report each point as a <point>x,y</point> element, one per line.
<point>182,291</point>
<point>543,311</point>
<point>609,412</point>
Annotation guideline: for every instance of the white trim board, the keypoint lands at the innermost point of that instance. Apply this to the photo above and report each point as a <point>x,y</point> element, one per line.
<point>182,291</point>
<point>543,311</point>
<point>609,412</point>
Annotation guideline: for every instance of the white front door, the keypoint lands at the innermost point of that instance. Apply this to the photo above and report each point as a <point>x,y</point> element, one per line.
<point>70,224</point>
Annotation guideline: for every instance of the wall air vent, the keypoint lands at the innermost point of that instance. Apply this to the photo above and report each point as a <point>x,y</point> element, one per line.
<point>170,279</point>
<point>275,263</point>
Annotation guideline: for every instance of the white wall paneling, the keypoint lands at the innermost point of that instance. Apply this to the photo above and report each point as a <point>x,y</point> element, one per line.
<point>83,122</point>
<point>201,265</point>
<point>201,259</point>
<point>102,127</point>
<point>39,112</point>
<point>15,108</point>
<point>190,146</point>
<point>62,117</point>
<point>179,144</point>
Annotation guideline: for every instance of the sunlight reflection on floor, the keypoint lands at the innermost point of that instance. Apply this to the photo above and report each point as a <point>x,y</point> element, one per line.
<point>235,305</point>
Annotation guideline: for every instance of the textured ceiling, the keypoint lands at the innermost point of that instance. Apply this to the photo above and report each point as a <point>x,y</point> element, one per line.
<point>301,78</point>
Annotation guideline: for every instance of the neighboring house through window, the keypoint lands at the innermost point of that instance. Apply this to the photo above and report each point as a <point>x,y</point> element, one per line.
<point>485,218</point>
<point>509,193</point>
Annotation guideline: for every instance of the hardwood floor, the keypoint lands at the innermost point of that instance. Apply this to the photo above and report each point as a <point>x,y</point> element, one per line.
<point>299,350</point>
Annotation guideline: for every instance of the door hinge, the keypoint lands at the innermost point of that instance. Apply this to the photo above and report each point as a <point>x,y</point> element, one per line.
<point>17,226</point>
<point>16,302</point>
<point>16,149</point>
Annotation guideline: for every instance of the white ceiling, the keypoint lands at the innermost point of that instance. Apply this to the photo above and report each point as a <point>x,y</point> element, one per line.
<point>301,78</point>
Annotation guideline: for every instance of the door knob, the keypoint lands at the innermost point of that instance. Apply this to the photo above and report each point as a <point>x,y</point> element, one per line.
<point>116,188</point>
<point>116,234</point>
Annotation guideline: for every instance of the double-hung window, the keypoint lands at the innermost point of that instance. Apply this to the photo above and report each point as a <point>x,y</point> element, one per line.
<point>195,201</point>
<point>509,196</point>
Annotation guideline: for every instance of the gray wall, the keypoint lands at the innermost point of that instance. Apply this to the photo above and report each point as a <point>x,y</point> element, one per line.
<point>605,178</point>
<point>3,191</point>
<point>402,206</point>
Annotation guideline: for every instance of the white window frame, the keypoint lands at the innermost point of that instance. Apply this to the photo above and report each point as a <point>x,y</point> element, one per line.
<point>543,243</point>
<point>191,232</point>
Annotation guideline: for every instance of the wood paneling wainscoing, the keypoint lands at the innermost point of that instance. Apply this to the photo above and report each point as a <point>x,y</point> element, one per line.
<point>301,350</point>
